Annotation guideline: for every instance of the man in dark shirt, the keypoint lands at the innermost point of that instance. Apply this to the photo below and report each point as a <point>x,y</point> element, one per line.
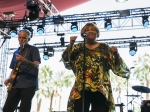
<point>25,67</point>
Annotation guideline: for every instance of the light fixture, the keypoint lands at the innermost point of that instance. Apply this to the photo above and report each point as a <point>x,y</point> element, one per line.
<point>13,31</point>
<point>124,13</point>
<point>74,27</point>
<point>2,24</point>
<point>121,1</point>
<point>45,55</point>
<point>48,52</point>
<point>58,19</point>
<point>108,24</point>
<point>34,9</point>
<point>133,48</point>
<point>40,29</point>
<point>62,41</point>
<point>145,21</point>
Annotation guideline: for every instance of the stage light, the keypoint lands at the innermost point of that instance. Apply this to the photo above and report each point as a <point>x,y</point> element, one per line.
<point>13,32</point>
<point>48,52</point>
<point>145,21</point>
<point>133,48</point>
<point>58,19</point>
<point>33,11</point>
<point>45,55</point>
<point>2,24</point>
<point>121,1</point>
<point>74,27</point>
<point>40,29</point>
<point>108,24</point>
<point>62,41</point>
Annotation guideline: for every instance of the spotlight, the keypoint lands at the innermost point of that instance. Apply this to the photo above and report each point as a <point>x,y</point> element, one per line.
<point>108,24</point>
<point>13,31</point>
<point>40,29</point>
<point>145,21</point>
<point>2,24</point>
<point>74,27</point>
<point>58,19</point>
<point>62,41</point>
<point>121,1</point>
<point>34,11</point>
<point>133,48</point>
<point>48,52</point>
<point>45,55</point>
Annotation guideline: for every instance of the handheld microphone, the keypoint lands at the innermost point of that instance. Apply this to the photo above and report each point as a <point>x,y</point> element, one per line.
<point>84,35</point>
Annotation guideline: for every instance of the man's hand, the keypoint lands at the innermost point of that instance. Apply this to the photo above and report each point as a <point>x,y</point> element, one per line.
<point>6,82</point>
<point>20,58</point>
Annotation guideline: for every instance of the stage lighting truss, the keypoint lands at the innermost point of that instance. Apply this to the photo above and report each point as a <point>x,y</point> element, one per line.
<point>118,42</point>
<point>145,21</point>
<point>48,52</point>
<point>133,48</point>
<point>40,29</point>
<point>108,24</point>
<point>13,32</point>
<point>74,27</point>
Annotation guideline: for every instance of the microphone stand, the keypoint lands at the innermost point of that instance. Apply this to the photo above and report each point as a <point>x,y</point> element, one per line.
<point>127,92</point>
<point>6,36</point>
<point>83,89</point>
<point>127,87</point>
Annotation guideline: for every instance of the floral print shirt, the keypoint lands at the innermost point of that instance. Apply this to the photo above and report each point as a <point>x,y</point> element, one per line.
<point>95,64</point>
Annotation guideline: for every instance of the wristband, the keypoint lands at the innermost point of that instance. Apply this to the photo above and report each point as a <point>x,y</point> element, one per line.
<point>27,62</point>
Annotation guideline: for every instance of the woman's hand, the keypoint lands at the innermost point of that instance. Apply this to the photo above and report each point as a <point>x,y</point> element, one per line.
<point>114,49</point>
<point>72,39</point>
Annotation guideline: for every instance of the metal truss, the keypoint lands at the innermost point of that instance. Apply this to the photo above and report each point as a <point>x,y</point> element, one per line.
<point>118,42</point>
<point>3,71</point>
<point>121,19</point>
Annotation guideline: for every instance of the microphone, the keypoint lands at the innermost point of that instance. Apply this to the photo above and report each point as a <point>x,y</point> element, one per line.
<point>5,37</point>
<point>84,35</point>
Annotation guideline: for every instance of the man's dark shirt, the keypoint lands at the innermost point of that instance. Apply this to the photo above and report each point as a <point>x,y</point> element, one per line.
<point>27,75</point>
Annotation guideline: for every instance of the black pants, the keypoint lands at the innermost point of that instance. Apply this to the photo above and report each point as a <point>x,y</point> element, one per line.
<point>96,99</point>
<point>24,95</point>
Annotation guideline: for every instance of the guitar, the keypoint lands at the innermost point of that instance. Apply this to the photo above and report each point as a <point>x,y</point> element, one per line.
<point>13,76</point>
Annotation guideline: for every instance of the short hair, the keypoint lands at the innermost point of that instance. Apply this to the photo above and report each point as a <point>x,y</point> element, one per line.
<point>83,30</point>
<point>27,31</point>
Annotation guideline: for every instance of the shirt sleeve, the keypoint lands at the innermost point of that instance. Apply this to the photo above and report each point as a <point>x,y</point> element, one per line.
<point>117,64</point>
<point>35,54</point>
<point>72,55</point>
<point>13,60</point>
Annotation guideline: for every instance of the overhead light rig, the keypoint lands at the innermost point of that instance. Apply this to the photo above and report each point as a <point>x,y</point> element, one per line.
<point>118,42</point>
<point>86,17</point>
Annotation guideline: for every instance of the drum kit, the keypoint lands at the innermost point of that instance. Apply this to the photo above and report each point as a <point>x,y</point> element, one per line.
<point>145,104</point>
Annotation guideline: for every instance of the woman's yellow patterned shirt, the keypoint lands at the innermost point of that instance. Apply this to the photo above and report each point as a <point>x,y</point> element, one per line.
<point>97,64</point>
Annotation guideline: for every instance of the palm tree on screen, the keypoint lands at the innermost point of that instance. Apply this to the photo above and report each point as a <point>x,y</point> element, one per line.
<point>45,85</point>
<point>142,70</point>
<point>51,85</point>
